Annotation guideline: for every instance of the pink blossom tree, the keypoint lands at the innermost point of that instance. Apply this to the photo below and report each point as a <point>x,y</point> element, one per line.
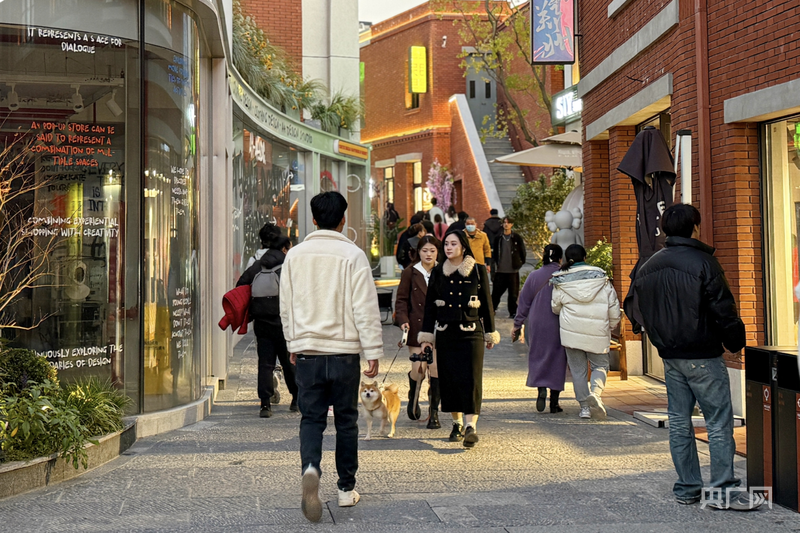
<point>441,184</point>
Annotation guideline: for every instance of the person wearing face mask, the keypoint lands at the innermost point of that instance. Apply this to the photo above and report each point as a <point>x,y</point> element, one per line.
<point>479,243</point>
<point>410,306</point>
<point>458,309</point>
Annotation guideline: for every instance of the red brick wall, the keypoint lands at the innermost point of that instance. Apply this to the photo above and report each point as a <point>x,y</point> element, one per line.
<point>623,209</point>
<point>748,49</point>
<point>596,189</point>
<point>473,196</point>
<point>432,144</point>
<point>385,72</point>
<point>282,21</point>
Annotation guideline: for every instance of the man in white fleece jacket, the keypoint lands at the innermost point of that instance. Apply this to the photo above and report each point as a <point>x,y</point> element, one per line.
<point>330,315</point>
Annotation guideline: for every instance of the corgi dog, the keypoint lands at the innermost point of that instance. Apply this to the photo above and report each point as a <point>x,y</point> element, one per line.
<point>383,405</point>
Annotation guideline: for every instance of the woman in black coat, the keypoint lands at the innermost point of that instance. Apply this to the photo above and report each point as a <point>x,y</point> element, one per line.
<point>458,307</point>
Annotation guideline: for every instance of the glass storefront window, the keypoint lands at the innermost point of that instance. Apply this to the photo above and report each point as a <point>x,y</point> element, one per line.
<point>781,216</point>
<point>357,204</point>
<point>269,186</point>
<point>170,240</point>
<point>422,196</point>
<point>67,92</point>
<point>388,180</point>
<point>328,174</point>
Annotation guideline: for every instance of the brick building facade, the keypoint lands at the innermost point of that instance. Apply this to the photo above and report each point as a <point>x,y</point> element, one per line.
<point>283,24</point>
<point>726,73</point>
<point>406,135</point>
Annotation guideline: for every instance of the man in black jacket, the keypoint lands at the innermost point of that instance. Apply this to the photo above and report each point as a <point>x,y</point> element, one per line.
<point>690,315</point>
<point>403,238</point>
<point>492,227</point>
<point>508,251</point>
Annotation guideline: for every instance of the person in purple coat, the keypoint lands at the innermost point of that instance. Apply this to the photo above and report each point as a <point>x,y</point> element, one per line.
<point>547,359</point>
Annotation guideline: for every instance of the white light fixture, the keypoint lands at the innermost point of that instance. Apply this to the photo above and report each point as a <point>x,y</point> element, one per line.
<point>112,104</point>
<point>77,99</point>
<point>13,98</point>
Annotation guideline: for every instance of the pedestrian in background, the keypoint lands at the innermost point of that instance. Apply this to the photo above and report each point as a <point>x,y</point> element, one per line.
<point>509,255</point>
<point>478,243</point>
<point>690,315</point>
<point>439,228</point>
<point>461,223</point>
<point>409,254</point>
<point>329,310</point>
<point>265,312</point>
<point>410,312</point>
<point>492,227</point>
<point>451,215</point>
<point>458,309</point>
<point>547,360</point>
<point>588,310</point>
<point>435,210</point>
<point>391,216</point>
<point>401,250</point>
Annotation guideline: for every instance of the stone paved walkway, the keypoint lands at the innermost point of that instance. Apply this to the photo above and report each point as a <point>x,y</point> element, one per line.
<point>531,473</point>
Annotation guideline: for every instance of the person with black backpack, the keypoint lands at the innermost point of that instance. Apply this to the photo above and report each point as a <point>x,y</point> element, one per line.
<point>264,279</point>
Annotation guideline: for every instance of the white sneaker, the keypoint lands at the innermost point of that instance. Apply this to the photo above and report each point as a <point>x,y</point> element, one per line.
<point>585,413</point>
<point>312,495</point>
<point>330,410</point>
<point>348,498</point>
<point>596,407</point>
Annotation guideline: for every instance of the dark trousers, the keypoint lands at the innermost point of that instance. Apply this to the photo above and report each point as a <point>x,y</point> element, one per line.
<point>506,281</point>
<point>323,381</point>
<point>271,346</point>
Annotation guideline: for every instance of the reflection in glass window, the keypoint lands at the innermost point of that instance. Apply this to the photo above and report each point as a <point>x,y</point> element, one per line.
<point>171,312</point>
<point>357,203</point>
<point>328,174</point>
<point>269,186</point>
<point>69,102</point>
<point>781,217</point>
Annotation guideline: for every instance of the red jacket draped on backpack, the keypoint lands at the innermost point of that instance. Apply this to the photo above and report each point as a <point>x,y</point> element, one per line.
<point>236,304</point>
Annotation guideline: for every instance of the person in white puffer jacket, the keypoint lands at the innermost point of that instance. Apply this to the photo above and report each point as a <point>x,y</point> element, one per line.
<point>588,310</point>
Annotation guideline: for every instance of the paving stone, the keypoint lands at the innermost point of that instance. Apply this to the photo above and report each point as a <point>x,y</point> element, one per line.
<point>531,473</point>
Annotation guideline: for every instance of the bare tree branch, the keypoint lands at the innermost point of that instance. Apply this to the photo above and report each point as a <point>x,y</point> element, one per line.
<point>497,32</point>
<point>25,246</point>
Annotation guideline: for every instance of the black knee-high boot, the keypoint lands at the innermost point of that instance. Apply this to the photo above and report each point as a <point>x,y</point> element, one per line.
<point>541,398</point>
<point>434,397</point>
<point>413,410</point>
<point>554,407</point>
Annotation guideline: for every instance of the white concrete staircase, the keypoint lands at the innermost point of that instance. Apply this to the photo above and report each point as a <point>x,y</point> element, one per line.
<point>507,178</point>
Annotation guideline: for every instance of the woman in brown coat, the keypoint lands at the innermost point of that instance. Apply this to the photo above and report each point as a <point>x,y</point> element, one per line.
<point>410,310</point>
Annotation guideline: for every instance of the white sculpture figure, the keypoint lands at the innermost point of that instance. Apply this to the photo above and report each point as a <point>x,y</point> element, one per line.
<point>563,225</point>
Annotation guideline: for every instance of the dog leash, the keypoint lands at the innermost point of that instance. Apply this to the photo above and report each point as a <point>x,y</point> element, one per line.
<point>391,365</point>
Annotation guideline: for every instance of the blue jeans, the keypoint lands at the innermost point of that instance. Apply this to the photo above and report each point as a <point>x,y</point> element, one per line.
<point>322,381</point>
<point>707,382</point>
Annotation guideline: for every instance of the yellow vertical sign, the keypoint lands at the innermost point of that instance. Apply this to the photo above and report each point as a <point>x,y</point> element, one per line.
<point>417,69</point>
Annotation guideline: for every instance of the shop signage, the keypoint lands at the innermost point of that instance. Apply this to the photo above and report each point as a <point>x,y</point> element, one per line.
<point>553,31</point>
<point>276,123</point>
<point>566,107</point>
<point>353,150</point>
<point>73,41</point>
<point>417,69</point>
